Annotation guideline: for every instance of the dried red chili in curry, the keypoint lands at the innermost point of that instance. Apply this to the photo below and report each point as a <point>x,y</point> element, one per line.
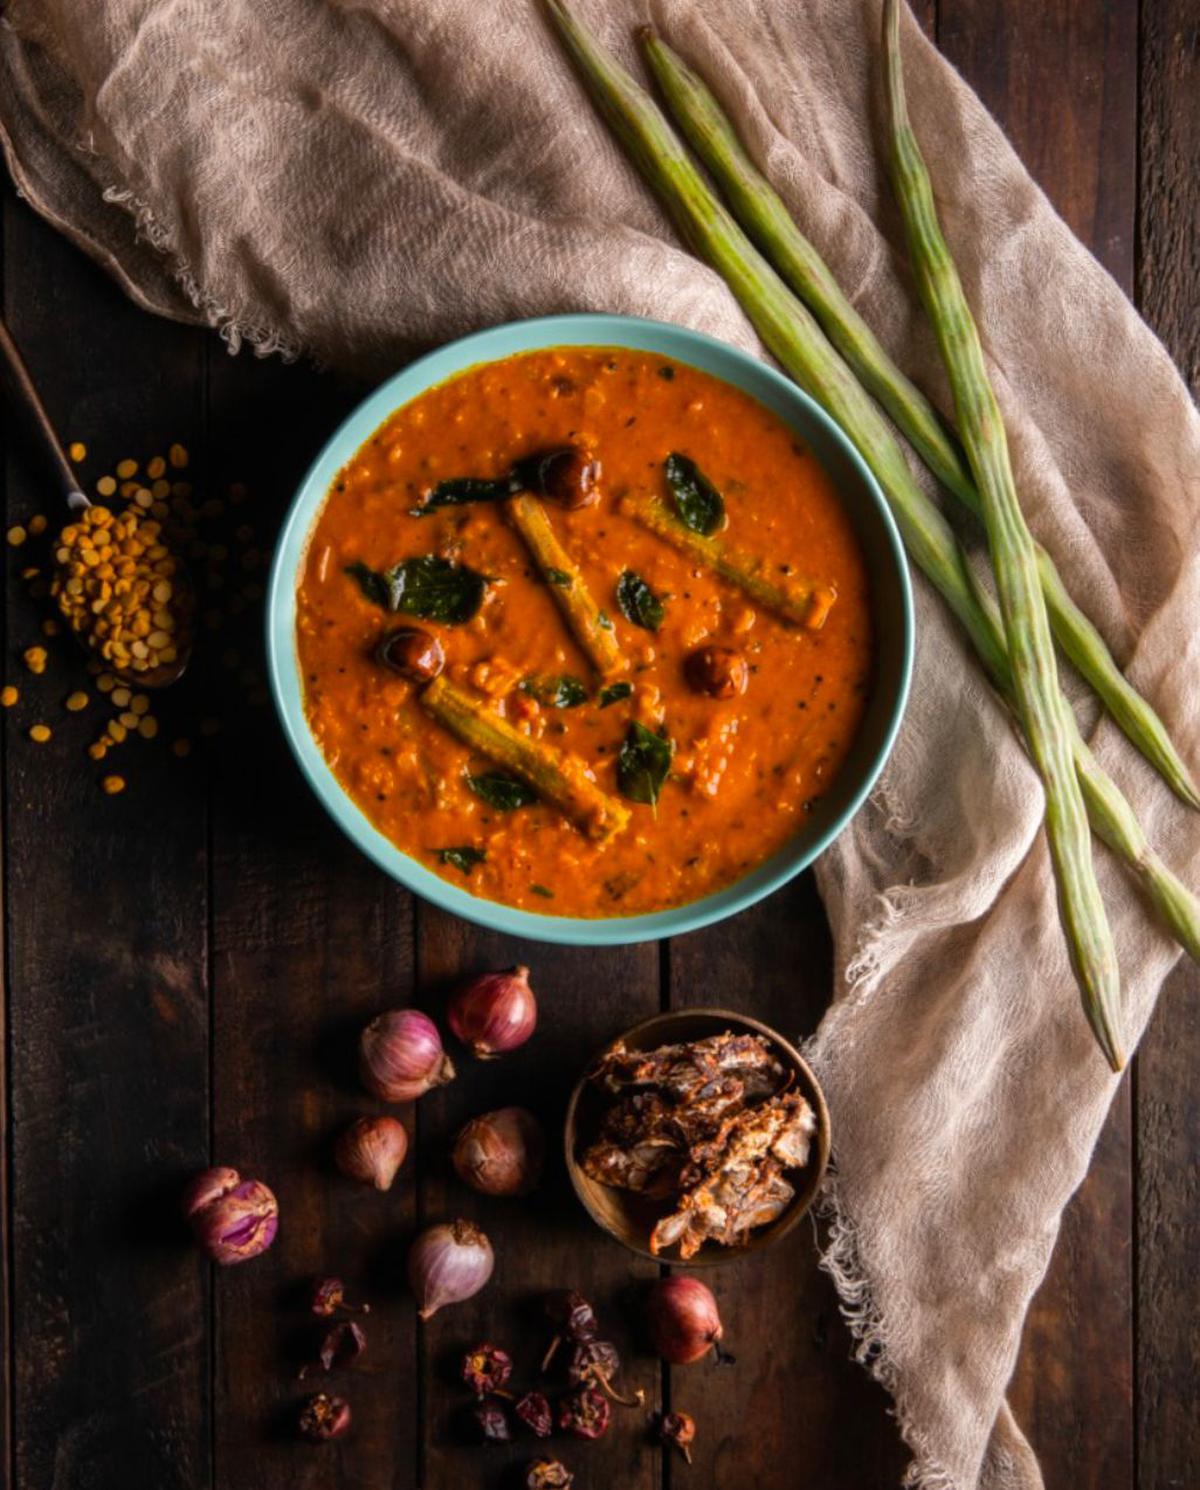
<point>752,749</point>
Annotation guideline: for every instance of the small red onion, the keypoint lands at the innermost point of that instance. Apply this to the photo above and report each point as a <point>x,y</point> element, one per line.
<point>683,1320</point>
<point>371,1150</point>
<point>448,1263</point>
<point>401,1056</point>
<point>495,1012</point>
<point>232,1219</point>
<point>500,1153</point>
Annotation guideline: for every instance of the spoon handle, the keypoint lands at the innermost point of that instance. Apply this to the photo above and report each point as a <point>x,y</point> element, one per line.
<point>22,386</point>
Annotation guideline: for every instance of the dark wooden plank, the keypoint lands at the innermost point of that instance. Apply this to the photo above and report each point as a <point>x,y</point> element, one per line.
<point>1061,78</point>
<point>309,942</point>
<point>796,1410</point>
<point>1167,1109</point>
<point>106,959</point>
<point>546,1242</point>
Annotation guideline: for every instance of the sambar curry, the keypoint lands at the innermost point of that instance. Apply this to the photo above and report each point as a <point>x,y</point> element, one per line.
<point>585,631</point>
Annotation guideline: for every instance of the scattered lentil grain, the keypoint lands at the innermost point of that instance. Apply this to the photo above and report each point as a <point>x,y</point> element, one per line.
<point>9,695</point>
<point>113,784</point>
<point>40,733</point>
<point>77,701</point>
<point>77,450</point>
<point>16,536</point>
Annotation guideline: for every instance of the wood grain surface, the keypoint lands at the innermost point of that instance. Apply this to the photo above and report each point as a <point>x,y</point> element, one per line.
<point>187,967</point>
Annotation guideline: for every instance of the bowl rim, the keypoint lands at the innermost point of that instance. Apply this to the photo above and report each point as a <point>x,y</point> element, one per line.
<point>632,333</point>
<point>764,1236</point>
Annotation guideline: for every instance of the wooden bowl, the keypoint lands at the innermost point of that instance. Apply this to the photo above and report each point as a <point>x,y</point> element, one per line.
<point>629,1217</point>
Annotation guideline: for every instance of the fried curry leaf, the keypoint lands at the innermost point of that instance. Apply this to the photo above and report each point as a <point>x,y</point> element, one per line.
<point>505,793</point>
<point>638,601</point>
<point>430,588</point>
<point>372,582</point>
<point>530,473</point>
<point>463,857</point>
<point>613,693</point>
<point>564,692</point>
<point>643,764</point>
<point>698,502</point>
<point>558,577</point>
<point>542,891</point>
<point>460,489</point>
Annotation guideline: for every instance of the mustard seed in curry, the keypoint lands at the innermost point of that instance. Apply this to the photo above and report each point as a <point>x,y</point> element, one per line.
<point>585,631</point>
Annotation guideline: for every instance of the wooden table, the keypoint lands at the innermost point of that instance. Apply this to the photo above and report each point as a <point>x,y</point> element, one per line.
<point>188,966</point>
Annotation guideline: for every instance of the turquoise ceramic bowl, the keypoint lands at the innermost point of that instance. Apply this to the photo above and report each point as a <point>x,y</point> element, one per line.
<point>859,494</point>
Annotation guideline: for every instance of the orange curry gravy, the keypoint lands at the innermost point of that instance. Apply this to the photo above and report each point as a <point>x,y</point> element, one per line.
<point>745,770</point>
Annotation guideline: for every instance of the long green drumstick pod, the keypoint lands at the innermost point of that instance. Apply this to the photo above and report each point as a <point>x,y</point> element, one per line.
<point>1043,710</point>
<point>802,602</point>
<point>797,341</point>
<point>560,778</point>
<point>763,214</point>
<point>590,626</point>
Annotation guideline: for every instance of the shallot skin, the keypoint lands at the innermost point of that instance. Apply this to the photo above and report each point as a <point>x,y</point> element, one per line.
<point>501,1152</point>
<point>232,1219</point>
<point>494,1013</point>
<point>682,1317</point>
<point>401,1056</point>
<point>448,1263</point>
<point>371,1150</point>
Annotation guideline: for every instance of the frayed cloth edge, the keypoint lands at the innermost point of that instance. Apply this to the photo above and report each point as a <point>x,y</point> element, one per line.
<point>266,341</point>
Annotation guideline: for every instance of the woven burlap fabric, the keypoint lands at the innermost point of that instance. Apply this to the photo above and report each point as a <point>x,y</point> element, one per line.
<point>358,180</point>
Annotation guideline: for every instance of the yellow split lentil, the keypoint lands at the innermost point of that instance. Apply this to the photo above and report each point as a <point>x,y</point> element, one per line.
<point>8,696</point>
<point>181,748</point>
<point>98,749</point>
<point>35,659</point>
<point>77,450</point>
<point>127,469</point>
<point>113,784</point>
<point>16,536</point>
<point>147,726</point>
<point>40,733</point>
<point>112,570</point>
<point>77,701</point>
<point>106,486</point>
<point>178,456</point>
<point>37,524</point>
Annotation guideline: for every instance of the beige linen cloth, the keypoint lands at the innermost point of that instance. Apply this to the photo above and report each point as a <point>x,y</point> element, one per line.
<point>359,179</point>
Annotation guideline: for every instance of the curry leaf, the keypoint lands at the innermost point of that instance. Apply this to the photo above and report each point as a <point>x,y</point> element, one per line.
<point>558,577</point>
<point>463,857</point>
<point>505,793</point>
<point>542,891</point>
<point>461,489</point>
<point>643,764</point>
<point>374,584</point>
<point>698,502</point>
<point>430,588</point>
<point>614,692</point>
<point>638,601</point>
<point>564,692</point>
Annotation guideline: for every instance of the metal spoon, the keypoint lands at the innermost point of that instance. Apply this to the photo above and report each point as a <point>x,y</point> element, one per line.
<point>26,394</point>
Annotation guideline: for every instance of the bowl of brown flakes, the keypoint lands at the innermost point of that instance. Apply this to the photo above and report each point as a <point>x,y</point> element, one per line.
<point>697,1136</point>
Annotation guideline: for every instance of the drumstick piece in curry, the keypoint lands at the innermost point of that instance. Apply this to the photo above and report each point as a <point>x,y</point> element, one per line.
<point>560,779</point>
<point>802,602</point>
<point>590,627</point>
